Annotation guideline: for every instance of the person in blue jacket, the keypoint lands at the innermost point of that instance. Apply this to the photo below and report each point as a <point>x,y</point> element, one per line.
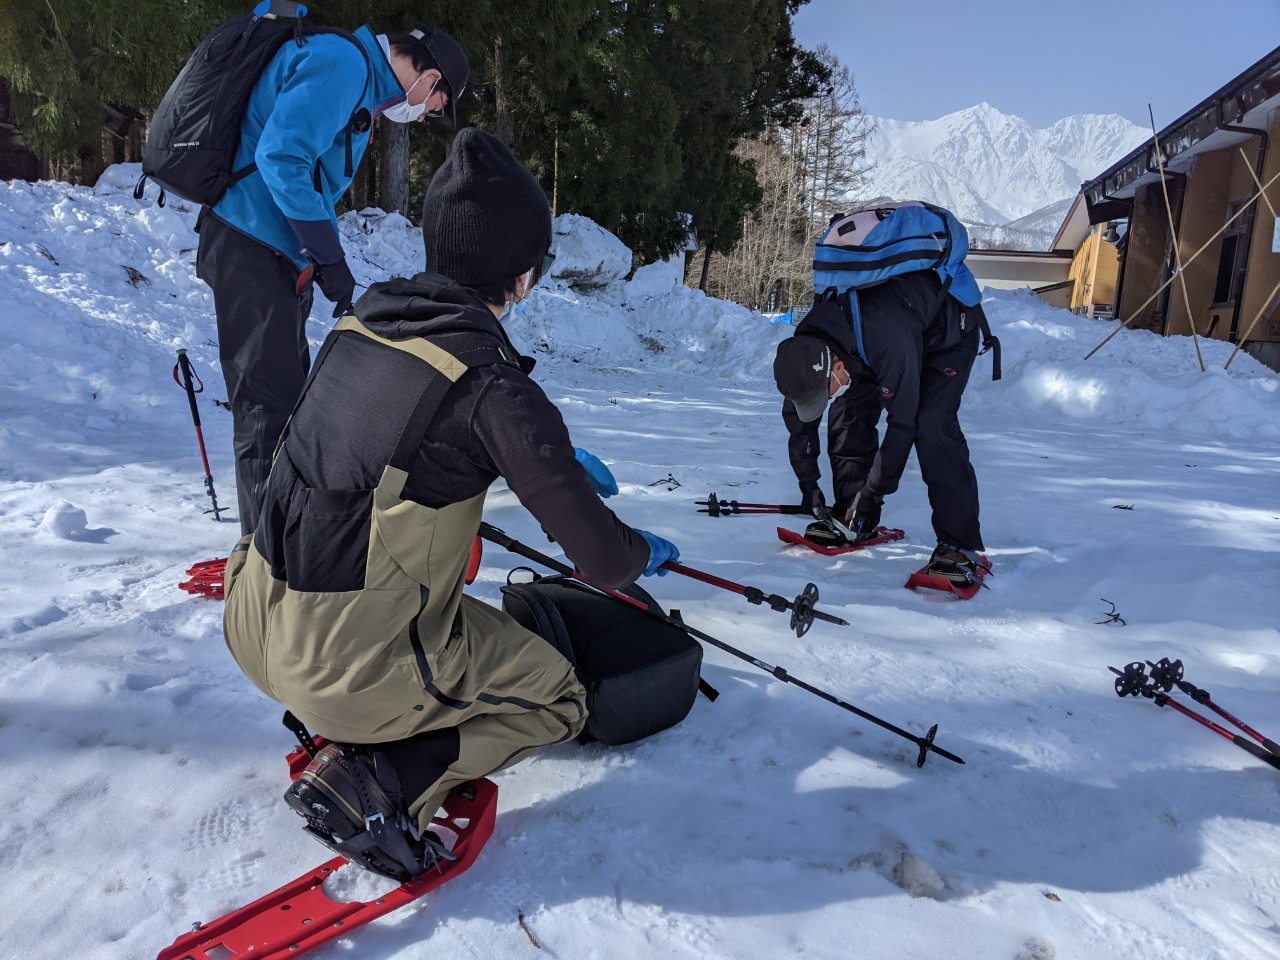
<point>274,233</point>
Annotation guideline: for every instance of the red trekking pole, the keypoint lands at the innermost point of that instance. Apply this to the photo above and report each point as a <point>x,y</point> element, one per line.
<point>803,608</point>
<point>732,508</point>
<point>184,365</point>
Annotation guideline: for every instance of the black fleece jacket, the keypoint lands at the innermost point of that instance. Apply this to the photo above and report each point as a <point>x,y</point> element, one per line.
<point>494,421</point>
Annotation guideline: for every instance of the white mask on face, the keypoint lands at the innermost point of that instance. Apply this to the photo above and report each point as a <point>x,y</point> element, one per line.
<point>407,112</point>
<point>512,306</point>
<point>840,390</point>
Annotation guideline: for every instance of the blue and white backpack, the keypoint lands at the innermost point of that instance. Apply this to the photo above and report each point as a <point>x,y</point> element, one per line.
<point>868,245</point>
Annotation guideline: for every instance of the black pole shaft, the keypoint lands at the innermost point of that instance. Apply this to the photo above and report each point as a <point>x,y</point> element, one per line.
<point>1266,756</point>
<point>494,535</point>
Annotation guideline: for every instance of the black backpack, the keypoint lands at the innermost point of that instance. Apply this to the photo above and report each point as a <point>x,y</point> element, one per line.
<point>642,674</point>
<point>193,137</point>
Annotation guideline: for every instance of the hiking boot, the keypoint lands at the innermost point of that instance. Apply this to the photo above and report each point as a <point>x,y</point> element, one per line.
<point>824,534</point>
<point>952,563</point>
<point>827,534</point>
<point>352,804</point>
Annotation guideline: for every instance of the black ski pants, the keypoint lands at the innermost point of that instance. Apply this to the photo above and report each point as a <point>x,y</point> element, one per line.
<point>941,449</point>
<point>262,343</point>
<point>852,442</point>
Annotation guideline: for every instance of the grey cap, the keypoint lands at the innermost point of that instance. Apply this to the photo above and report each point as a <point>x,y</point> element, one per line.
<point>802,371</point>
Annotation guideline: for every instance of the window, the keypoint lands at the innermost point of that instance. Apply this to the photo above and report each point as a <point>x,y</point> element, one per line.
<point>1231,260</point>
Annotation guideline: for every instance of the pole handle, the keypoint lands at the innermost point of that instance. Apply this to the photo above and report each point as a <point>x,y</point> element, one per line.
<point>185,366</point>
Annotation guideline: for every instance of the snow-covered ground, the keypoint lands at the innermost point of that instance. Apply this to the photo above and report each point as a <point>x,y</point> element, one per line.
<point>142,773</point>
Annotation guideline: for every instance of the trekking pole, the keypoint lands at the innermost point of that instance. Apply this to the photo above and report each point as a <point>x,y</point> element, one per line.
<point>1133,682</point>
<point>925,743</point>
<point>802,608</point>
<point>732,508</point>
<point>184,365</point>
<point>1168,675</point>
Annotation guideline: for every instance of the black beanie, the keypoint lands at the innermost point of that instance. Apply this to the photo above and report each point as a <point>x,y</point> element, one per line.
<point>485,219</point>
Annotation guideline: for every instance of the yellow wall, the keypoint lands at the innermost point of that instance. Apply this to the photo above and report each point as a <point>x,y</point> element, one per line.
<point>1208,194</point>
<point>1144,256</point>
<point>1103,274</point>
<point>1215,180</point>
<point>1264,266</point>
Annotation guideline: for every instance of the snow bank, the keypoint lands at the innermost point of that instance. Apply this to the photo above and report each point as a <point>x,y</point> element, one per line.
<point>1138,378</point>
<point>587,255</point>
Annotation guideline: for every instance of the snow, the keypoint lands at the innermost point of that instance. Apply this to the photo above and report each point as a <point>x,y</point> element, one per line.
<point>143,772</point>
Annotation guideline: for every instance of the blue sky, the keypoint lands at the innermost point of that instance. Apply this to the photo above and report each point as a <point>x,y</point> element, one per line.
<point>1041,60</point>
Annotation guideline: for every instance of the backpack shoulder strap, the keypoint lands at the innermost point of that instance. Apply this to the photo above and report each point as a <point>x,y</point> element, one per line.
<point>849,303</point>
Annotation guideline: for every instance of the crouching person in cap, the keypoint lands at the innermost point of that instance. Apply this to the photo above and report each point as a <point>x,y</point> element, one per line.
<point>346,604</point>
<point>918,345</point>
<point>819,365</point>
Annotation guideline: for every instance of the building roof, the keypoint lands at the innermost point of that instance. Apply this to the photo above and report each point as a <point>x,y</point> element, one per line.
<point>983,254</point>
<point>1075,227</point>
<point>1243,102</point>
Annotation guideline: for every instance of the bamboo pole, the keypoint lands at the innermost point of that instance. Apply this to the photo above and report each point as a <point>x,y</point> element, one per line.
<point>1173,236</point>
<point>1221,230</point>
<point>1253,323</point>
<point>1249,166</point>
<point>1274,290</point>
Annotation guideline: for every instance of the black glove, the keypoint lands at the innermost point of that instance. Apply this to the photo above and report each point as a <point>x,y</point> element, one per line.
<point>337,284</point>
<point>817,504</point>
<point>864,516</point>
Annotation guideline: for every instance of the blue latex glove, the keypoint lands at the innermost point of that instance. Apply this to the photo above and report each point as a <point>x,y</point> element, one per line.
<point>660,551</point>
<point>598,474</point>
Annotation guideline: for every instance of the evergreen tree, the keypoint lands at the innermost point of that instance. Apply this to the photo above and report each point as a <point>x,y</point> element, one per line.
<point>65,59</point>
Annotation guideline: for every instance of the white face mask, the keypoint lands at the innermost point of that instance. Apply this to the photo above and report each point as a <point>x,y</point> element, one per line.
<point>512,307</point>
<point>840,390</point>
<point>407,112</point>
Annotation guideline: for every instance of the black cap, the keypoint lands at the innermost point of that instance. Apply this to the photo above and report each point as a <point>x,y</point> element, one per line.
<point>451,61</point>
<point>802,370</point>
<point>485,218</point>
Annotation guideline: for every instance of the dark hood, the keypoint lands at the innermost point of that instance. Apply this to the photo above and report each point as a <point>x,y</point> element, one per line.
<point>828,320</point>
<point>429,305</point>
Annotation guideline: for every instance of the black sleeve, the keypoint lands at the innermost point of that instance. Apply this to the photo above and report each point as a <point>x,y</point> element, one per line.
<point>803,447</point>
<point>895,351</point>
<point>525,435</point>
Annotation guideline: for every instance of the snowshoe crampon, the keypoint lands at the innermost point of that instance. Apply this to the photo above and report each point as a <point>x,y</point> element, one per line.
<point>205,578</point>
<point>300,916</point>
<point>882,535</point>
<point>962,588</point>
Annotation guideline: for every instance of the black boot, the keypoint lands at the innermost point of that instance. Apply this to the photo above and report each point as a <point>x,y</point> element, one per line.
<point>954,564</point>
<point>352,803</point>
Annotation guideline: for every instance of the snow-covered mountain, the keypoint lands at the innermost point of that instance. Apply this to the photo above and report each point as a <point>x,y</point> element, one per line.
<point>993,169</point>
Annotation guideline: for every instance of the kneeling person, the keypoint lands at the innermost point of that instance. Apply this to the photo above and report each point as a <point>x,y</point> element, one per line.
<point>346,603</point>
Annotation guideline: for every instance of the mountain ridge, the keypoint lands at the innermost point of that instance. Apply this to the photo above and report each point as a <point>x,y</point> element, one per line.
<point>996,172</point>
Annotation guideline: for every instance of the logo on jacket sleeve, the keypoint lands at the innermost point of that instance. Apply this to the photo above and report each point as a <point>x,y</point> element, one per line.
<point>886,393</point>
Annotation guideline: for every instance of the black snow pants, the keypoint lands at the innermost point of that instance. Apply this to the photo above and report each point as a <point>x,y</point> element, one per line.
<point>262,343</point>
<point>941,449</point>
<point>852,442</point>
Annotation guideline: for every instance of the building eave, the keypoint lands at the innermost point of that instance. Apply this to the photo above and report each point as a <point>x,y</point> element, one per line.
<point>1244,101</point>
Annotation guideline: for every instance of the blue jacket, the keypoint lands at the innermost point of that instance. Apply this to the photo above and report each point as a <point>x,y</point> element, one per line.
<point>298,114</point>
